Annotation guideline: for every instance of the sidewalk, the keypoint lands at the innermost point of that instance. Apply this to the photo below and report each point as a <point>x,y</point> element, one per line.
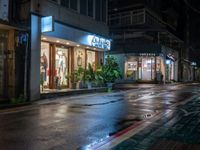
<point>177,130</point>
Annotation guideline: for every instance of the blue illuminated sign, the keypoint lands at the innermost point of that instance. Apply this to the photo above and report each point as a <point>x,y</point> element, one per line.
<point>99,42</point>
<point>47,24</point>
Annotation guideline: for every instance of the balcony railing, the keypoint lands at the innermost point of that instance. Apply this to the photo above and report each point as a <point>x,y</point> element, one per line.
<point>127,18</point>
<point>135,17</point>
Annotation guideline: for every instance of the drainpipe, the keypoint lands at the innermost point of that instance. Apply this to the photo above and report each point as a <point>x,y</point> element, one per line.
<point>25,67</point>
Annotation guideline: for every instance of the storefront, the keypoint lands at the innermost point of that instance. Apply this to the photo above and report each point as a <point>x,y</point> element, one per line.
<point>64,49</point>
<point>146,67</point>
<point>59,59</point>
<point>150,67</point>
<point>157,64</point>
<point>9,44</point>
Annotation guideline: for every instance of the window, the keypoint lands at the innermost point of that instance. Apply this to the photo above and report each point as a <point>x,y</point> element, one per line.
<point>91,59</point>
<point>104,11</point>
<point>83,7</point>
<point>73,4</point>
<point>98,10</point>
<point>55,1</point>
<point>61,66</point>
<point>90,8</point>
<point>65,3</point>
<point>44,64</point>
<point>79,58</point>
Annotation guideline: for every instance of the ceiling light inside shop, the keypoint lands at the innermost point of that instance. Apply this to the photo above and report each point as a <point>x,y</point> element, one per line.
<point>58,41</point>
<point>67,43</point>
<point>44,38</point>
<point>77,45</point>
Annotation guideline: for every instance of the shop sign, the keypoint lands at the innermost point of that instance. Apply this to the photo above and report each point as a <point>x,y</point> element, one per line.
<point>4,9</point>
<point>193,64</point>
<point>47,24</point>
<point>99,42</point>
<point>147,54</point>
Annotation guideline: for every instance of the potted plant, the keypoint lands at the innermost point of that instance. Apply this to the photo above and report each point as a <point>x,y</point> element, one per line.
<point>77,76</point>
<point>110,71</point>
<point>89,76</point>
<point>99,76</point>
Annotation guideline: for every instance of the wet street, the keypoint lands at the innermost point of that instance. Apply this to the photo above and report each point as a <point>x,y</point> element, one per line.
<point>167,113</point>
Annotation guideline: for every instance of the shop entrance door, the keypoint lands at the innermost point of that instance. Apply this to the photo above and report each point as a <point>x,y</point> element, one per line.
<point>3,43</point>
<point>148,68</point>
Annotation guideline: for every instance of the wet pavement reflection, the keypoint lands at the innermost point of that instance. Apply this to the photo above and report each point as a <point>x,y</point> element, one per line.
<point>76,122</point>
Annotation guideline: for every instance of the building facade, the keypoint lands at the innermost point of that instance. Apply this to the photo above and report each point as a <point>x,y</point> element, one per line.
<point>145,40</point>
<point>43,42</point>
<point>13,44</point>
<point>65,35</point>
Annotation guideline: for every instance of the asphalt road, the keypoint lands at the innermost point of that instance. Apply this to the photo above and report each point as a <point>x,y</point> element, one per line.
<point>72,123</point>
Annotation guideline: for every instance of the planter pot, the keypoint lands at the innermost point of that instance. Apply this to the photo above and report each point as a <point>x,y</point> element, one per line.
<point>89,85</point>
<point>109,86</point>
<point>73,86</point>
<point>76,85</point>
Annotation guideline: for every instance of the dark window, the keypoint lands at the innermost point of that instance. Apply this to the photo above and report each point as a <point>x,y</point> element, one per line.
<point>104,11</point>
<point>98,10</point>
<point>73,4</point>
<point>90,8</point>
<point>65,3</point>
<point>55,0</point>
<point>83,7</point>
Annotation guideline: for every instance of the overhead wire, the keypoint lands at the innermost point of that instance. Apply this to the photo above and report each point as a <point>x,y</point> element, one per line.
<point>192,7</point>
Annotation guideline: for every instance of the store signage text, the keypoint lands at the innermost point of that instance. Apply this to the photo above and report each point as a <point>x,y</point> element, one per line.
<point>193,64</point>
<point>99,42</point>
<point>147,54</point>
<point>47,24</point>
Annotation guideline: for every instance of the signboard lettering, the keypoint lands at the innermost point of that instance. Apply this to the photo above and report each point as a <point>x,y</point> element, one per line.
<point>99,42</point>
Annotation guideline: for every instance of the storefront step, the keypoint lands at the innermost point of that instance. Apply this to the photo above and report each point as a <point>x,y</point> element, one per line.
<point>54,94</point>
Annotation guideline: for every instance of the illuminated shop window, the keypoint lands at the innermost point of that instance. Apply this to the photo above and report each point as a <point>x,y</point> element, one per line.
<point>44,65</point>
<point>79,58</point>
<point>61,66</point>
<point>91,58</point>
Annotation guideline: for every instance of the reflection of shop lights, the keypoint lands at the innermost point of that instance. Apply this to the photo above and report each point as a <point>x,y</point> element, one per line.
<point>168,62</point>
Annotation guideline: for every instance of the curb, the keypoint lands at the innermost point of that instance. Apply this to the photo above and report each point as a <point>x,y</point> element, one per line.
<point>7,106</point>
<point>72,93</point>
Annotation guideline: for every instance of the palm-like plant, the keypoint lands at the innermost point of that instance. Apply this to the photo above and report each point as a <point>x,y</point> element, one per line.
<point>78,74</point>
<point>89,74</point>
<point>110,71</point>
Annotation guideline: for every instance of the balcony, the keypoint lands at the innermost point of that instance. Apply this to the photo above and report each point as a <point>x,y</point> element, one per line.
<point>135,17</point>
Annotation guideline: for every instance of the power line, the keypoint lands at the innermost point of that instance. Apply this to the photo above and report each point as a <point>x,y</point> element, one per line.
<point>191,7</point>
